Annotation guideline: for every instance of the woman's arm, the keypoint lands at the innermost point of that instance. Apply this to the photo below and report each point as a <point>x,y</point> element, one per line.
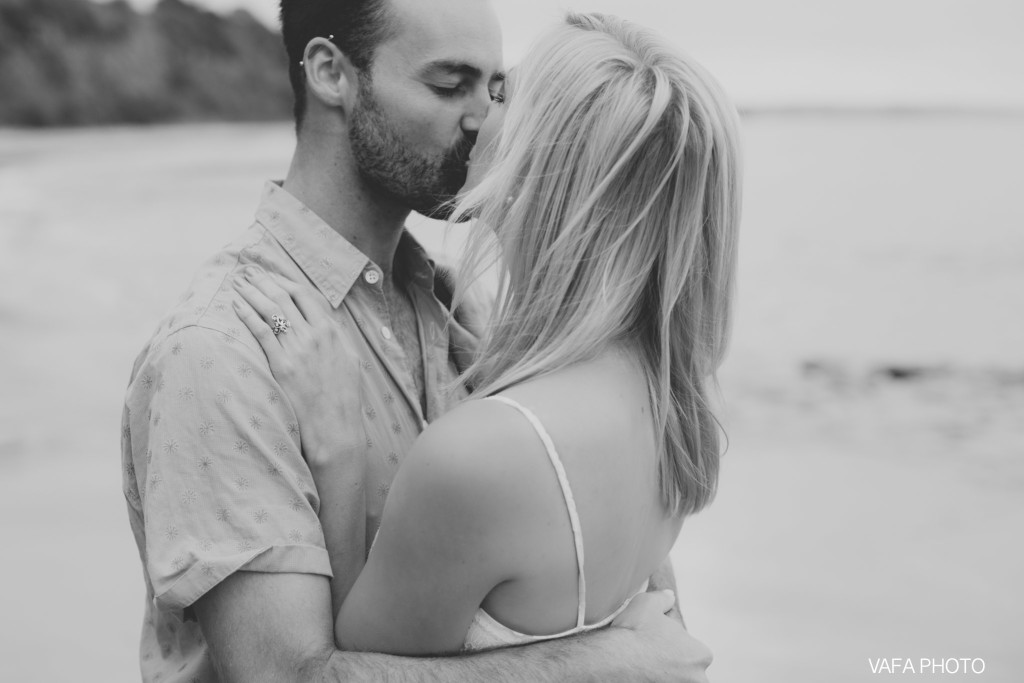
<point>455,523</point>
<point>276,627</point>
<point>455,510</point>
<point>322,381</point>
<point>339,480</point>
<point>453,528</point>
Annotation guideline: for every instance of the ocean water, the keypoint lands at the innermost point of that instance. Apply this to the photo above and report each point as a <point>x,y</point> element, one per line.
<point>870,244</point>
<point>875,238</point>
<point>881,286</point>
<point>873,394</point>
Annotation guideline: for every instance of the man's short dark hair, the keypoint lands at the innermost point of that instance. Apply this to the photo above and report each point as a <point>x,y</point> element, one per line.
<point>358,27</point>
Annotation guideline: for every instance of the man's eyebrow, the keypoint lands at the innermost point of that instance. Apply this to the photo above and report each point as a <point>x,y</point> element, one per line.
<point>460,68</point>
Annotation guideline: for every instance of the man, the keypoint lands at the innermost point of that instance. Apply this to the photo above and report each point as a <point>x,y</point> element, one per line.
<point>389,97</point>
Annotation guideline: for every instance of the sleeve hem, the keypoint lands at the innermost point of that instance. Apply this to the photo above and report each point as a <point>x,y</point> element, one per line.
<point>201,577</point>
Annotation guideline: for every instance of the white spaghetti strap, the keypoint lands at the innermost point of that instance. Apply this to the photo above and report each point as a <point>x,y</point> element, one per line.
<point>570,503</point>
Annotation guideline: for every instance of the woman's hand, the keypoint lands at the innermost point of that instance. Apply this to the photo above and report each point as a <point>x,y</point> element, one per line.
<point>308,358</point>
<point>320,377</point>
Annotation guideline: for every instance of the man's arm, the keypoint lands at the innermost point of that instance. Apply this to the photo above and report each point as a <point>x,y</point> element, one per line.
<point>278,627</point>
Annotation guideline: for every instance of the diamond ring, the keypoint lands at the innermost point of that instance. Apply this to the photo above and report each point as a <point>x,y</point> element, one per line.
<point>281,324</point>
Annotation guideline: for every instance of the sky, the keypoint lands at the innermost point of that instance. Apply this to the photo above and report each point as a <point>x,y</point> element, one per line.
<point>771,53</point>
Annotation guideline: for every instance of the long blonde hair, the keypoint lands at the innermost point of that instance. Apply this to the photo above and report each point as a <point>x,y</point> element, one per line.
<point>615,202</point>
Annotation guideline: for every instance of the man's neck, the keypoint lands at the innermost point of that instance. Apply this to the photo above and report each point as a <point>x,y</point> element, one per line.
<point>333,190</point>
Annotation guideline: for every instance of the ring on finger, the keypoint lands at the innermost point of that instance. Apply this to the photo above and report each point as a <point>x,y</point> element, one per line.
<point>281,324</point>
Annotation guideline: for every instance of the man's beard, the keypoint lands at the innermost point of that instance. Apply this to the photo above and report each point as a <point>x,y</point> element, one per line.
<point>388,164</point>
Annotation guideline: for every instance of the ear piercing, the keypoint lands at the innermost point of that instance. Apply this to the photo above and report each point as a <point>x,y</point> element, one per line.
<point>303,63</point>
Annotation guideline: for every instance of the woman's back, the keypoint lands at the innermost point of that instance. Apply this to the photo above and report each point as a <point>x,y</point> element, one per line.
<point>597,417</point>
<point>610,212</point>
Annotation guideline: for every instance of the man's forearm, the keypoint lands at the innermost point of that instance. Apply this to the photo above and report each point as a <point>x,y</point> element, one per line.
<point>278,627</point>
<point>605,655</point>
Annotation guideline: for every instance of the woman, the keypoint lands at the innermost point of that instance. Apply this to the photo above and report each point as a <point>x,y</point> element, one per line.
<point>537,508</point>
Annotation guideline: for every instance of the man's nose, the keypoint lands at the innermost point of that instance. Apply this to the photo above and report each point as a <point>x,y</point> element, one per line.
<point>477,112</point>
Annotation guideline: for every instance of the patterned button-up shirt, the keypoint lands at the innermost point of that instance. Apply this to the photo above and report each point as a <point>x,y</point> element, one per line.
<point>212,467</point>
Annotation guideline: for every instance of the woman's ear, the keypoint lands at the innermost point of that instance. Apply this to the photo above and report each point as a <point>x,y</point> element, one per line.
<point>330,75</point>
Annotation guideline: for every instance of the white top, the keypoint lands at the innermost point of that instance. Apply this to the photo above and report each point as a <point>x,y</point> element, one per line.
<point>485,632</point>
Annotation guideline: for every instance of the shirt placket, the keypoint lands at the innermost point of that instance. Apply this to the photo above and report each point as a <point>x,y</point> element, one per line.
<point>375,326</point>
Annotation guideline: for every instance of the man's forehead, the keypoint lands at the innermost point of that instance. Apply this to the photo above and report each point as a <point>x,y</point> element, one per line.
<point>447,35</point>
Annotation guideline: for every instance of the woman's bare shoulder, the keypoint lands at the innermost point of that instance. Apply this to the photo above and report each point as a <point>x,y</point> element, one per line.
<point>482,462</point>
<point>479,441</point>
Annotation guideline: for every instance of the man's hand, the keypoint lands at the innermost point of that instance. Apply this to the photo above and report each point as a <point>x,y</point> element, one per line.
<point>278,628</point>
<point>665,579</point>
<point>671,652</point>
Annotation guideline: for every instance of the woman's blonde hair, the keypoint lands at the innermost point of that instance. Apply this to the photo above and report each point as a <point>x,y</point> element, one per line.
<point>615,202</point>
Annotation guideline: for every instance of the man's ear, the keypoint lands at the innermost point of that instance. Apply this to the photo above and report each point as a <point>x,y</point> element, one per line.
<point>330,75</point>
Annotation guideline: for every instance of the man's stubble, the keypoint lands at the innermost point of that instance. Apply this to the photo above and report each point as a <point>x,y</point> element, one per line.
<point>389,165</point>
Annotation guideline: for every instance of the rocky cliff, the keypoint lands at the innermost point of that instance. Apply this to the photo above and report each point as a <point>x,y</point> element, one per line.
<point>75,62</point>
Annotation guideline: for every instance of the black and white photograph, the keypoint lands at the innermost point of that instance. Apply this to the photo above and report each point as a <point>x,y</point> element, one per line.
<point>511,340</point>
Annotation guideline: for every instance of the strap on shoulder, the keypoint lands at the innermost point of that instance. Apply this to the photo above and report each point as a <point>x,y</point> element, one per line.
<point>570,502</point>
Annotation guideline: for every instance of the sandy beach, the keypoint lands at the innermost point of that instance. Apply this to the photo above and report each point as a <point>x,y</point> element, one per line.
<point>872,499</point>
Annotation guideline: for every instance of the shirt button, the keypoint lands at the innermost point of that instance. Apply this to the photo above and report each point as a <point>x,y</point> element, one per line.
<point>372,276</point>
<point>385,332</point>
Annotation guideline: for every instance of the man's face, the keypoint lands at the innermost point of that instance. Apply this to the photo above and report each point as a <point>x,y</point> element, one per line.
<point>423,102</point>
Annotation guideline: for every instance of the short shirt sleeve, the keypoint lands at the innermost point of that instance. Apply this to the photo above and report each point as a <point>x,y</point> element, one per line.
<point>222,483</point>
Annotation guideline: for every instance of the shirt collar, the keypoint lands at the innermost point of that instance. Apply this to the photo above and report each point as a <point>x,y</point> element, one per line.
<point>330,261</point>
